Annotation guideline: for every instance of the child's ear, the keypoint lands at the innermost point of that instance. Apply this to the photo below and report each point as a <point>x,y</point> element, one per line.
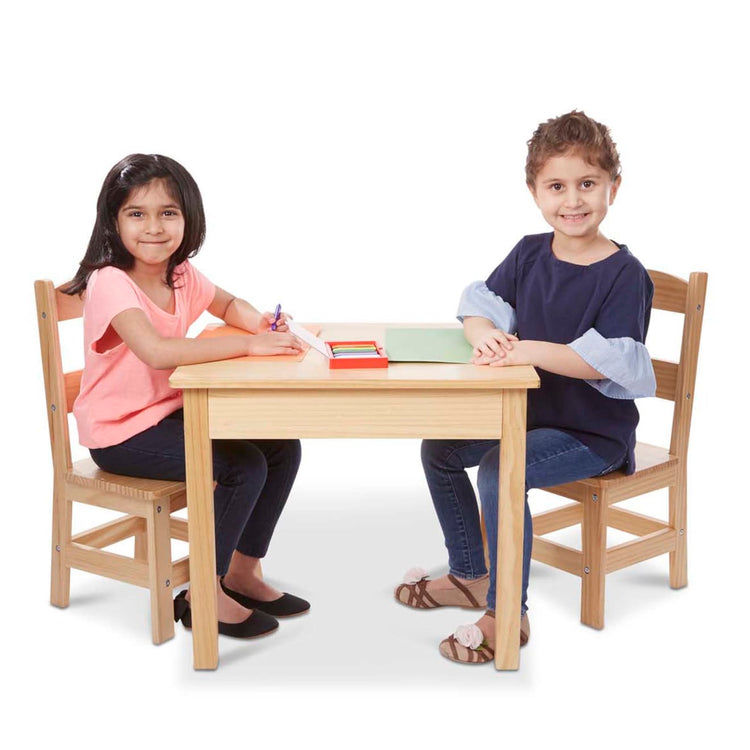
<point>615,187</point>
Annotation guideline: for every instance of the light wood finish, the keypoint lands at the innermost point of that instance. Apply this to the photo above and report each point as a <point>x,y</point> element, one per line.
<point>656,468</point>
<point>199,473</point>
<point>146,503</point>
<point>512,498</point>
<point>366,413</point>
<point>558,555</point>
<point>233,399</point>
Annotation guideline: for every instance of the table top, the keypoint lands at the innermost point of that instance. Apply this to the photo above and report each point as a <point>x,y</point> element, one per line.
<point>313,370</point>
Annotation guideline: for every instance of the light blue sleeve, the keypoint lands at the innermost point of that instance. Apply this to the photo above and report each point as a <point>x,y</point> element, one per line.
<point>624,362</point>
<point>477,300</point>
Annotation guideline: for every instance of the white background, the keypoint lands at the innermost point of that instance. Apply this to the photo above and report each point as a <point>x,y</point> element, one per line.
<point>363,161</point>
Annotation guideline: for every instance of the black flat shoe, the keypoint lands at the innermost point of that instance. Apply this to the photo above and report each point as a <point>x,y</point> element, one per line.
<point>287,605</point>
<point>259,623</point>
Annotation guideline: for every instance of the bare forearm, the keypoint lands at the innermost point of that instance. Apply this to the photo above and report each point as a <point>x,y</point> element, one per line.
<point>242,314</point>
<point>557,358</point>
<point>168,353</point>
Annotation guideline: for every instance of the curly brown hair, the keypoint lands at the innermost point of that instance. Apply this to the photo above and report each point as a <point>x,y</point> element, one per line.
<point>576,132</point>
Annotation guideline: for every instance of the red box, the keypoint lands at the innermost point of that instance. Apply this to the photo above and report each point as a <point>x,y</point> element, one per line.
<point>356,363</point>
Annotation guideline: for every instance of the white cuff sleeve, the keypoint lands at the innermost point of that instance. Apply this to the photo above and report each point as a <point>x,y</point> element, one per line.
<point>477,300</point>
<point>624,362</point>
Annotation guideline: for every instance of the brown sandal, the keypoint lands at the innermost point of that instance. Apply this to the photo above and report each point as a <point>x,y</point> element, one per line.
<point>456,651</point>
<point>459,646</point>
<point>468,596</point>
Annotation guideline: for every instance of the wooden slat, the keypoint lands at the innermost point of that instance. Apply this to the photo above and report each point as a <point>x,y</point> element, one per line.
<point>641,549</point>
<point>180,571</point>
<point>179,501</point>
<point>111,532</point>
<point>557,555</point>
<point>87,474</point>
<point>670,292</point>
<point>72,388</point>
<point>634,523</point>
<point>558,518</point>
<point>107,564</point>
<point>179,529</point>
<point>68,307</point>
<point>666,378</point>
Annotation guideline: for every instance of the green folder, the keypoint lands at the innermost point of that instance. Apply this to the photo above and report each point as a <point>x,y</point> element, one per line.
<point>427,345</point>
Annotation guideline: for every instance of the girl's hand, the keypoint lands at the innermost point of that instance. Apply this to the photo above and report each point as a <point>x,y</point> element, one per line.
<point>520,354</point>
<point>267,319</point>
<point>492,345</point>
<point>274,342</point>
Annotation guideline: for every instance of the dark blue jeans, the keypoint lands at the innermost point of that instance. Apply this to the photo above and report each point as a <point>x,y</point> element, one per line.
<point>254,479</point>
<point>552,457</point>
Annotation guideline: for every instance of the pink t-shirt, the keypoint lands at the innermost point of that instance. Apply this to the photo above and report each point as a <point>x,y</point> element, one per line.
<point>120,395</point>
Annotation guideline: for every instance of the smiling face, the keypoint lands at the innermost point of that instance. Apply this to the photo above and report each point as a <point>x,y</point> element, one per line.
<point>574,196</point>
<point>151,226</point>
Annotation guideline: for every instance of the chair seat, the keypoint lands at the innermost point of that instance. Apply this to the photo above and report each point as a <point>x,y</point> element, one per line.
<point>87,474</point>
<point>649,460</point>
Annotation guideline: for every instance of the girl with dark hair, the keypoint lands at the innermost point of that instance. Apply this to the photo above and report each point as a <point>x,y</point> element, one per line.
<point>141,295</point>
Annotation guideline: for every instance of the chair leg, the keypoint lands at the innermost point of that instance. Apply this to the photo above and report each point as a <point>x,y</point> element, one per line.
<point>678,521</point>
<point>62,512</point>
<point>160,573</point>
<point>140,546</point>
<point>594,548</point>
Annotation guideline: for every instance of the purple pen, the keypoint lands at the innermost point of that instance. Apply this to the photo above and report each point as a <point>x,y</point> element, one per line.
<point>276,317</point>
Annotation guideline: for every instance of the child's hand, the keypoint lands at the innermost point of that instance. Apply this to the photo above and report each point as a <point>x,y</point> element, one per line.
<point>267,319</point>
<point>520,354</point>
<point>273,343</point>
<point>493,344</point>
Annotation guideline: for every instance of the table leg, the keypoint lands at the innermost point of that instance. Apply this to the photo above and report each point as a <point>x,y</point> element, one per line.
<point>200,502</point>
<point>510,529</point>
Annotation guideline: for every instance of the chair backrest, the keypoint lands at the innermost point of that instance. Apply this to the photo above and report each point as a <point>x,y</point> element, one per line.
<point>61,389</point>
<point>676,382</point>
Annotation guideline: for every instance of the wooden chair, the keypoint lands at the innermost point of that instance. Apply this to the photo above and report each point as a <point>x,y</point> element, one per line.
<point>656,468</point>
<point>145,503</point>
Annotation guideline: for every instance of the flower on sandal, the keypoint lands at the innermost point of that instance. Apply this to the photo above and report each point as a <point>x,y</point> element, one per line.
<point>414,575</point>
<point>469,636</point>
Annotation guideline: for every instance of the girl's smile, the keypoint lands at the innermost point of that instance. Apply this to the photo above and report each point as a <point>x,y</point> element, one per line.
<point>151,226</point>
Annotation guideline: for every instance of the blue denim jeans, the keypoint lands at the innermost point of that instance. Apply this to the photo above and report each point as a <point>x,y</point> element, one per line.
<point>253,480</point>
<point>552,457</point>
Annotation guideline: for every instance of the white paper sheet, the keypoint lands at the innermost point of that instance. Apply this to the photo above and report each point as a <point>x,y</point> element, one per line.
<point>307,337</point>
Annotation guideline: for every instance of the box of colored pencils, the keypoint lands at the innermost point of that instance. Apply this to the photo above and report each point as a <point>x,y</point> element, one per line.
<point>350,355</point>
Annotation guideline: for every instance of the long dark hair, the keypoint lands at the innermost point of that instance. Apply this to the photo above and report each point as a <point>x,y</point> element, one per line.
<point>105,246</point>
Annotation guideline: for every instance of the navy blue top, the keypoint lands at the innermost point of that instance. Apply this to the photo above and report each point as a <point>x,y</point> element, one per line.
<point>558,302</point>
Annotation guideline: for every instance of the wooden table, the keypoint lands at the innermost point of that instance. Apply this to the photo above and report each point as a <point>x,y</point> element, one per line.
<point>282,399</point>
